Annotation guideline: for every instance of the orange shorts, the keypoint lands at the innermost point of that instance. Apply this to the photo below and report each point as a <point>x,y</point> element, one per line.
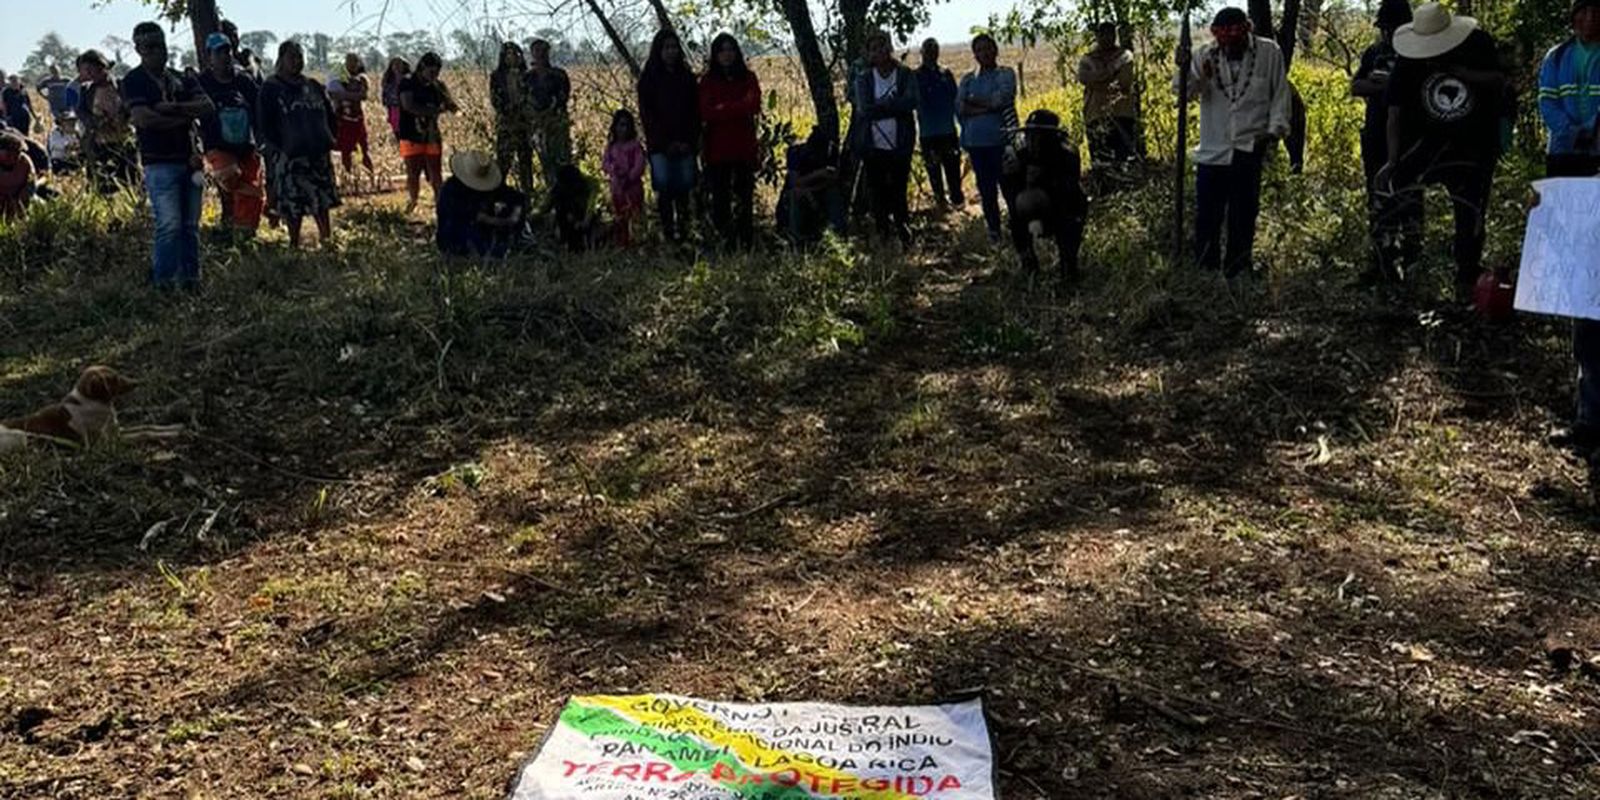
<point>420,149</point>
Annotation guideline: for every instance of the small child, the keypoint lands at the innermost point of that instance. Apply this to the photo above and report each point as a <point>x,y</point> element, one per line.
<point>624,165</point>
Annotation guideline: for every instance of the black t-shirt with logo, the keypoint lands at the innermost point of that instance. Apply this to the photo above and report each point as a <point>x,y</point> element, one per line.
<point>167,145</point>
<point>1443,117</point>
<point>232,128</point>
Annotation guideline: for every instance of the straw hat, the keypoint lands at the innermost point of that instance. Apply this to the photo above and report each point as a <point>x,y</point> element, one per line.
<point>477,170</point>
<point>1432,32</point>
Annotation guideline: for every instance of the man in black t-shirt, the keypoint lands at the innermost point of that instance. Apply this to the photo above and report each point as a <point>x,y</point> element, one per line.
<point>1444,102</point>
<point>1371,83</point>
<point>164,107</point>
<point>229,137</point>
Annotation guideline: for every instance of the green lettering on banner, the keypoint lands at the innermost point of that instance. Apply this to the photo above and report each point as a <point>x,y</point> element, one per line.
<point>598,722</point>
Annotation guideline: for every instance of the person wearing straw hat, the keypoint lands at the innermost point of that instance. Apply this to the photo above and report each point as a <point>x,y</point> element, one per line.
<point>479,215</point>
<point>1569,102</point>
<point>1043,178</point>
<point>1444,100</point>
<point>1243,90</point>
<point>1371,84</point>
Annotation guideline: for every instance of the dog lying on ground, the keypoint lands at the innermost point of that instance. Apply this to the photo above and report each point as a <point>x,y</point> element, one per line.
<point>87,414</point>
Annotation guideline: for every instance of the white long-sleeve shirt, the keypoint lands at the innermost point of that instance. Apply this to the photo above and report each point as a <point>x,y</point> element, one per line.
<point>1237,110</point>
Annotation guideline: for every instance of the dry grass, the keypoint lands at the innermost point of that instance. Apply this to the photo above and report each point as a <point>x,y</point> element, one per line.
<point>1300,544</point>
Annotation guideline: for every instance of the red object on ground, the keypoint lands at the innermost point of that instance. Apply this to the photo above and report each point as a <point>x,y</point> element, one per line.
<point>1493,297</point>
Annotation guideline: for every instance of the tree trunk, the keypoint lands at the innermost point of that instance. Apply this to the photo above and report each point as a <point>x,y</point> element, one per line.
<point>1312,16</point>
<point>616,38</point>
<point>1289,31</point>
<point>1260,12</point>
<point>818,78</point>
<point>204,21</point>
<point>852,29</point>
<point>662,17</point>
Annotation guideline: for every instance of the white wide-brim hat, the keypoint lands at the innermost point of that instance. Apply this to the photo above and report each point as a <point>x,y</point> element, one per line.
<point>1432,32</point>
<point>477,170</point>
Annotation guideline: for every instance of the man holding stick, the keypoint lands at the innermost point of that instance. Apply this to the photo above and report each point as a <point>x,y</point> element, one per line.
<point>1243,92</point>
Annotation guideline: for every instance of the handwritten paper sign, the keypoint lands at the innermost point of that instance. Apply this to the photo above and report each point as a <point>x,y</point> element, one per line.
<point>667,747</point>
<point>1560,272</point>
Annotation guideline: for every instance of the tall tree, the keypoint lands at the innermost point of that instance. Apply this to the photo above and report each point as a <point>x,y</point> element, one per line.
<point>260,43</point>
<point>202,15</point>
<point>118,46</point>
<point>662,17</point>
<point>50,51</point>
<point>819,80</point>
<point>617,42</point>
<point>1285,35</point>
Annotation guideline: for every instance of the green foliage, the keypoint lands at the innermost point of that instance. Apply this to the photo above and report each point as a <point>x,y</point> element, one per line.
<point>774,134</point>
<point>51,51</point>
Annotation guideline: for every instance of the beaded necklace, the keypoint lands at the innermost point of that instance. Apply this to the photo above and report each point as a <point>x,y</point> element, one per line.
<point>1249,72</point>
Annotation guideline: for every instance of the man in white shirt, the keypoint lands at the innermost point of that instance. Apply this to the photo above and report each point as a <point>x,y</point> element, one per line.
<point>1244,108</point>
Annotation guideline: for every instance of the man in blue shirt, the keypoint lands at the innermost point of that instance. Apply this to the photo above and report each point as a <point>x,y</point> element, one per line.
<point>164,107</point>
<point>986,102</point>
<point>936,121</point>
<point>1569,101</point>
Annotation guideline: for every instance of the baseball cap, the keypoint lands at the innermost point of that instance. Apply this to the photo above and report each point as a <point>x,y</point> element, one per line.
<point>217,41</point>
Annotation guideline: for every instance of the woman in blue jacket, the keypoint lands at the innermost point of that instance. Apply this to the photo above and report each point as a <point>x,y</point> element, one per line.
<point>884,135</point>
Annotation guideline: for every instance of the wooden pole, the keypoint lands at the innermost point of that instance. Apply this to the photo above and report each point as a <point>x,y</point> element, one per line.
<point>1185,44</point>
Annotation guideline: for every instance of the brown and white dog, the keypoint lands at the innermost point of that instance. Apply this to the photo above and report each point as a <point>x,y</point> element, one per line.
<point>87,414</point>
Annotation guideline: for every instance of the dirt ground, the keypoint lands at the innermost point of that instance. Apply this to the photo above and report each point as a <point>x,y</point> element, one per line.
<point>1297,545</point>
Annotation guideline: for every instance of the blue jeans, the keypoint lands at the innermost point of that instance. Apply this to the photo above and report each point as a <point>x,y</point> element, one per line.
<point>175,201</point>
<point>673,179</point>
<point>987,163</point>
<point>672,175</point>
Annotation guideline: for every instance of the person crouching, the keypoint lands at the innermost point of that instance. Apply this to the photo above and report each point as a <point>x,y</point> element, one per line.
<point>1041,178</point>
<point>479,215</point>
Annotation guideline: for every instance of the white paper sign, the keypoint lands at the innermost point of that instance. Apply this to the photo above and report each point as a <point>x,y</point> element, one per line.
<point>1560,271</point>
<point>668,747</point>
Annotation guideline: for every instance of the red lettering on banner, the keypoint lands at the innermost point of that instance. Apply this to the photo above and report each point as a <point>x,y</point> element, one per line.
<point>732,775</point>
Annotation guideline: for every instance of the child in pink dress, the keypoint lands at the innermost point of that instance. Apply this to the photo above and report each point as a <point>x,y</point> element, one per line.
<point>624,164</point>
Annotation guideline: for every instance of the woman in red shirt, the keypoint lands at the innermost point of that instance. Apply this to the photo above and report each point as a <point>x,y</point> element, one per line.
<point>730,99</point>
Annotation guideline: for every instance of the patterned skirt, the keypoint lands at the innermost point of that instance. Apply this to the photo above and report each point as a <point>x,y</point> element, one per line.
<point>301,186</point>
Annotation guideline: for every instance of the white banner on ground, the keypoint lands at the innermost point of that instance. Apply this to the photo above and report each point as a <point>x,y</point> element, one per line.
<point>667,747</point>
<point>1560,271</point>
